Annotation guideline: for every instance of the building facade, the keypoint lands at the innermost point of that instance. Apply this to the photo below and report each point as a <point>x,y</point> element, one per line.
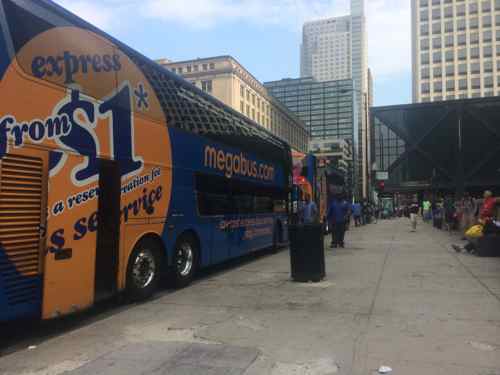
<point>456,49</point>
<point>335,154</point>
<point>336,48</point>
<point>328,109</point>
<point>226,79</point>
<point>439,147</point>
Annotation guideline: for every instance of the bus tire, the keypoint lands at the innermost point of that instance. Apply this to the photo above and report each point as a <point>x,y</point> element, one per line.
<point>144,270</point>
<point>185,260</point>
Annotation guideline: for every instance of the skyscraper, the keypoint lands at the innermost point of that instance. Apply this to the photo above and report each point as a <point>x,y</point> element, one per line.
<point>456,54</point>
<point>335,49</point>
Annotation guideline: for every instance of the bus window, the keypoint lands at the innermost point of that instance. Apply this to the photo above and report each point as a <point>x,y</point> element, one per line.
<point>244,204</point>
<point>210,204</point>
<point>263,205</point>
<point>279,206</point>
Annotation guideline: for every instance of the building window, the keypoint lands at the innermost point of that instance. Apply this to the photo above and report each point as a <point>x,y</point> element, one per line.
<point>461,39</point>
<point>475,68</point>
<point>488,81</point>
<point>461,10</point>
<point>487,51</point>
<point>474,23</point>
<point>212,66</point>
<point>424,29</point>
<point>436,42</point>
<point>462,69</point>
<point>242,107</point>
<point>486,7</point>
<point>448,27</point>
<point>448,12</point>
<point>206,86</point>
<point>474,53</point>
<point>253,114</point>
<point>487,21</point>
<point>436,57</point>
<point>462,54</point>
<point>424,73</point>
<point>448,41</point>
<point>497,20</point>
<point>449,55</point>
<point>179,70</point>
<point>461,24</point>
<point>450,85</point>
<point>423,3</point>
<point>476,83</point>
<point>487,36</point>
<point>450,70</point>
<point>462,84</point>
<point>473,8</point>
<point>173,70</point>
<point>436,14</point>
<point>253,99</point>
<point>248,95</point>
<point>436,28</point>
<point>248,110</point>
<point>474,38</point>
<point>424,44</point>
<point>188,68</point>
<point>437,72</point>
<point>205,67</point>
<point>438,86</point>
<point>242,91</point>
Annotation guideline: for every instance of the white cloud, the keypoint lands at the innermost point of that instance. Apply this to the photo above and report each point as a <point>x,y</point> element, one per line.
<point>389,21</point>
<point>208,13</point>
<point>389,37</point>
<point>92,12</point>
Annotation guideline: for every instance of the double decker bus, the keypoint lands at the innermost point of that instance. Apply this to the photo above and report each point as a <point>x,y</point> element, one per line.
<point>114,170</point>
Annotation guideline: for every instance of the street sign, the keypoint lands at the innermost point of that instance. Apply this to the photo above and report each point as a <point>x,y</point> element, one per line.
<point>382,176</point>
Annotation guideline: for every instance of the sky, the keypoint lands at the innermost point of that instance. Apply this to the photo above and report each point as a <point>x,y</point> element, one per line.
<point>263,35</point>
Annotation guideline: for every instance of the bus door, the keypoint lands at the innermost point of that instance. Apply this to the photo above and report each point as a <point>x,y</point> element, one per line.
<point>108,229</point>
<point>23,220</point>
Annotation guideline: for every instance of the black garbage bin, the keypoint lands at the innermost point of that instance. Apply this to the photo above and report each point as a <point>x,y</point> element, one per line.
<point>307,252</point>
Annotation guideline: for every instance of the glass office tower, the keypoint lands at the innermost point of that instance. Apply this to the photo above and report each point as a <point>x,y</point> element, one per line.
<point>327,108</point>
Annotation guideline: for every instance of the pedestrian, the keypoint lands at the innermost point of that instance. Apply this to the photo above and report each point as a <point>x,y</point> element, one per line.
<point>337,215</point>
<point>309,212</point>
<point>356,213</point>
<point>449,213</point>
<point>413,211</point>
<point>426,210</point>
<point>486,219</point>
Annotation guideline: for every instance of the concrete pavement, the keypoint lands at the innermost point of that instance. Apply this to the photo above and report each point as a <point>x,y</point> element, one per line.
<point>391,297</point>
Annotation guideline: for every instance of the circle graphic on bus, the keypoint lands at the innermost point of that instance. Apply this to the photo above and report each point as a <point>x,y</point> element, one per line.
<point>74,95</point>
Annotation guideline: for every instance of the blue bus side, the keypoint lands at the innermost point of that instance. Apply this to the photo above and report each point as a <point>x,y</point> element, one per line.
<point>187,154</point>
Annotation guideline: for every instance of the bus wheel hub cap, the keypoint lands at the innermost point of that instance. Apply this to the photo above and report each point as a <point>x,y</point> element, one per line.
<point>184,259</point>
<point>144,269</point>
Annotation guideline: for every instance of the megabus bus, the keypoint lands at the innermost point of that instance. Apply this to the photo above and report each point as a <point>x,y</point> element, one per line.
<point>114,170</point>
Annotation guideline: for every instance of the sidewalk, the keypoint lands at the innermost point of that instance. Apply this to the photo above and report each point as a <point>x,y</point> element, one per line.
<point>395,298</point>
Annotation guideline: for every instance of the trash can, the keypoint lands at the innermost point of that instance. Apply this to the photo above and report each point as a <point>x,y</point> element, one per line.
<point>307,252</point>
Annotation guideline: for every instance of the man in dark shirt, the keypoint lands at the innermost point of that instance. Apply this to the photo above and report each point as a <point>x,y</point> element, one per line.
<point>337,214</point>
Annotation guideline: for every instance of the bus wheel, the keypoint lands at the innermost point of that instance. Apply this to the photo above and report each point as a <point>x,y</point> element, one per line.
<point>185,260</point>
<point>143,272</point>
